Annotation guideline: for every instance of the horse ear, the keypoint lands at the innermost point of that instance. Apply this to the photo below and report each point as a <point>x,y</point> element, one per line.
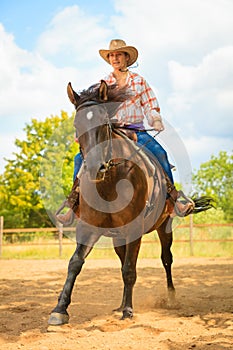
<point>73,96</point>
<point>103,90</point>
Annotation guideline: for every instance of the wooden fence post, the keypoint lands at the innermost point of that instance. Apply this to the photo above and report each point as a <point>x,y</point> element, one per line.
<point>191,234</point>
<point>60,236</point>
<point>1,233</point>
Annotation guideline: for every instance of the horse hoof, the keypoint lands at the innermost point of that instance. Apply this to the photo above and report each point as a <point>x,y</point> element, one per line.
<point>127,313</point>
<point>57,319</point>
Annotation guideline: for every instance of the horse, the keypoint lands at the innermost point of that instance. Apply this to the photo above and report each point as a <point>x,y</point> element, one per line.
<point>123,195</point>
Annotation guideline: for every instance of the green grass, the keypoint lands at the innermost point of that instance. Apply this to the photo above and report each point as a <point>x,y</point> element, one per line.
<point>47,247</point>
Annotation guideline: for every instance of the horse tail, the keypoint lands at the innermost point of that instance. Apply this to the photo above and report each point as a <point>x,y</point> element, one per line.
<point>203,203</point>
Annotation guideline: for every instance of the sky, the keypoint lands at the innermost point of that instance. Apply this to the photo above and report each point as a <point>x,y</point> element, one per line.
<point>185,54</point>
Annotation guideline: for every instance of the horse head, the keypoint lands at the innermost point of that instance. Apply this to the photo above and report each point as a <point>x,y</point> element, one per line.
<point>95,108</point>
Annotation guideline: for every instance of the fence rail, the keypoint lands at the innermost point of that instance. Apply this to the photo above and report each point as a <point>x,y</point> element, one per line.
<point>60,232</point>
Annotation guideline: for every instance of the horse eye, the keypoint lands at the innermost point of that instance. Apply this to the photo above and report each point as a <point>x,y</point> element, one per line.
<point>89,115</point>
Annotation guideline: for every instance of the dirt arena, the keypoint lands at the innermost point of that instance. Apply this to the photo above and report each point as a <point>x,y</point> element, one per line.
<point>201,318</point>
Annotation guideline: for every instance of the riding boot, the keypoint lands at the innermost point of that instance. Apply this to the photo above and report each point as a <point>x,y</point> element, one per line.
<point>183,205</point>
<point>72,202</point>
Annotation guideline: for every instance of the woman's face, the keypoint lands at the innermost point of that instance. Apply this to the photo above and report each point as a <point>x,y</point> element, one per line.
<point>118,60</point>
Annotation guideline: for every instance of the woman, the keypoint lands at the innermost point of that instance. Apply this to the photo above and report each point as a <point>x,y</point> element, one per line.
<point>132,113</point>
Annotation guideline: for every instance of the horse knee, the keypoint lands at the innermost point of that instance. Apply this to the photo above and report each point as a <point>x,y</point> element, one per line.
<point>129,275</point>
<point>166,257</point>
<point>167,261</point>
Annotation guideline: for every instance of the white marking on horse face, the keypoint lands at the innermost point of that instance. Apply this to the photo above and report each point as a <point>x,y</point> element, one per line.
<point>89,115</point>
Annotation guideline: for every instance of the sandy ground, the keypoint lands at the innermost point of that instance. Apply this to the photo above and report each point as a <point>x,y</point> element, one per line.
<point>201,317</point>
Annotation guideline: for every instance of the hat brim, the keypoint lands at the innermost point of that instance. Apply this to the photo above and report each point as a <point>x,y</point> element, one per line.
<point>130,50</point>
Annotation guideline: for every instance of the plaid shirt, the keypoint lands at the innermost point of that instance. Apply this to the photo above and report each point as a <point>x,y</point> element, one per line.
<point>143,102</point>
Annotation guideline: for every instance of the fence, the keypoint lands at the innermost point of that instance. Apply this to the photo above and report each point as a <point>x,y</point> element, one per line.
<point>60,232</point>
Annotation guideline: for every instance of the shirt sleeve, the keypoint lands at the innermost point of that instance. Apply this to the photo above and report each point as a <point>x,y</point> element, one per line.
<point>149,103</point>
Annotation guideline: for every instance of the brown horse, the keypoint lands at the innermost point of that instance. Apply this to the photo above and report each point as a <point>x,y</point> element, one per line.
<point>122,195</point>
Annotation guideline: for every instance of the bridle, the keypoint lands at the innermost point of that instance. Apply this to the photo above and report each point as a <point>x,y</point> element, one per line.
<point>109,163</point>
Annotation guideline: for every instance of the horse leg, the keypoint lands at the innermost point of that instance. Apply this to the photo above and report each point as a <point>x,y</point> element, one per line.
<point>165,236</point>
<point>120,248</point>
<point>59,314</point>
<point>129,275</point>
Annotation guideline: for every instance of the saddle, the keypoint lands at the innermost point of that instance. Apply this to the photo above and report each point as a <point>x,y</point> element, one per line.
<point>131,134</point>
<point>155,173</point>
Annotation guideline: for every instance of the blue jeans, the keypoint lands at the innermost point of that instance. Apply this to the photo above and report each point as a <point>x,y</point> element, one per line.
<point>157,150</point>
<point>150,144</point>
<point>77,164</point>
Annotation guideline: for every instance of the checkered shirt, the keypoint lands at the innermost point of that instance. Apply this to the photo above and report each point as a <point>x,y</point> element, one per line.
<point>143,102</point>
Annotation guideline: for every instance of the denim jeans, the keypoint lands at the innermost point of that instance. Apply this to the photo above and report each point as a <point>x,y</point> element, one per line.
<point>157,150</point>
<point>150,144</point>
<point>77,164</point>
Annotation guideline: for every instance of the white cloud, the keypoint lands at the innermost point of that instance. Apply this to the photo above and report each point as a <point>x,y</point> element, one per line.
<point>32,86</point>
<point>7,146</point>
<point>201,149</point>
<point>73,36</point>
<point>171,26</point>
<point>29,84</point>
<point>204,93</point>
<point>215,71</point>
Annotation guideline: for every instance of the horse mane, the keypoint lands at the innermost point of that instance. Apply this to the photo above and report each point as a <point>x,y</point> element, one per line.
<point>115,94</point>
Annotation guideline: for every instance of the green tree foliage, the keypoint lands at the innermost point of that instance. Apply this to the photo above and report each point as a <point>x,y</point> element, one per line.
<point>40,172</point>
<point>212,216</point>
<point>215,178</point>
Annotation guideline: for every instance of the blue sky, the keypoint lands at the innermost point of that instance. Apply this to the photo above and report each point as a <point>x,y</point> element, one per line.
<point>26,20</point>
<point>186,55</point>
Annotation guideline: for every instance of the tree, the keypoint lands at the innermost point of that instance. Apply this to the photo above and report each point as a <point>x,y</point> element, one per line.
<point>34,174</point>
<point>214,178</point>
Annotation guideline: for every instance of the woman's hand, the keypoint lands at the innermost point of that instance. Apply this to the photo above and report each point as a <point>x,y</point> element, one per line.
<point>158,125</point>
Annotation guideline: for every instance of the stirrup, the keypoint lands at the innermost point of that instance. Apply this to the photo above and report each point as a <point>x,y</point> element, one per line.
<point>66,219</point>
<point>187,202</point>
<point>64,204</point>
<point>181,194</point>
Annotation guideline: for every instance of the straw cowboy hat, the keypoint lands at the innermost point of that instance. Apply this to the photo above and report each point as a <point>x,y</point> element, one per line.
<point>120,45</point>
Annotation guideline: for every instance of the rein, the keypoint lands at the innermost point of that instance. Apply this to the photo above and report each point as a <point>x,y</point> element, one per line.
<point>139,147</point>
<point>135,129</point>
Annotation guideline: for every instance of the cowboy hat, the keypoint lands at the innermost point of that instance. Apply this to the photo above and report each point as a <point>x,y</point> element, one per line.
<point>120,45</point>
